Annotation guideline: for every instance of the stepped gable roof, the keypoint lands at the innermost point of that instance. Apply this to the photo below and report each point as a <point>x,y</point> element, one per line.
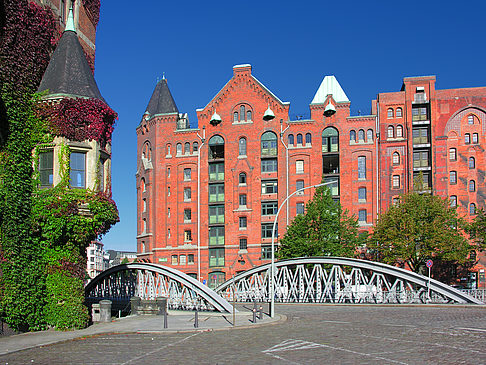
<point>330,86</point>
<point>68,72</point>
<point>161,101</point>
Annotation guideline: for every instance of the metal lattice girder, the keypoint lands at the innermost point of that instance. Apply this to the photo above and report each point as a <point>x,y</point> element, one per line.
<point>149,281</point>
<point>339,280</point>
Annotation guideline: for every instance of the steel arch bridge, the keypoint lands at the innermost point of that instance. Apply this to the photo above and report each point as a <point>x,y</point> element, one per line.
<point>339,280</point>
<point>149,281</point>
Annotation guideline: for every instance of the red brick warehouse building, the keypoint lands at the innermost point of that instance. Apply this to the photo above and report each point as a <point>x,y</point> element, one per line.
<point>207,196</point>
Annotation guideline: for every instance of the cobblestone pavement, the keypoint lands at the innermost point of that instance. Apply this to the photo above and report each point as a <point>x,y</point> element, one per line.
<point>312,334</point>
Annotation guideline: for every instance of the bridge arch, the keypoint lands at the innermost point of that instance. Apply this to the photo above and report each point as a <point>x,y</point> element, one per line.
<point>148,281</point>
<point>339,280</point>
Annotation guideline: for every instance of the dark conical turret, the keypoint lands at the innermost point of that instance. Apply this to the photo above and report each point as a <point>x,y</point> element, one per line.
<point>68,72</point>
<point>161,101</point>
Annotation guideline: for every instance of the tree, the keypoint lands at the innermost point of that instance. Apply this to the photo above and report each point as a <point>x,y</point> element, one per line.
<point>419,227</point>
<point>477,230</point>
<point>323,230</point>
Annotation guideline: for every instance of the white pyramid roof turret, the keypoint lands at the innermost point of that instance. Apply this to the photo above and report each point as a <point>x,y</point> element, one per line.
<point>330,86</point>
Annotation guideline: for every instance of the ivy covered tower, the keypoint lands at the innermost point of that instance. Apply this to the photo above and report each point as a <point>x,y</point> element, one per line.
<point>73,169</point>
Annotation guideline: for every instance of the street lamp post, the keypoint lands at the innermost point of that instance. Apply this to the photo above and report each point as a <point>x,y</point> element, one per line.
<point>272,266</point>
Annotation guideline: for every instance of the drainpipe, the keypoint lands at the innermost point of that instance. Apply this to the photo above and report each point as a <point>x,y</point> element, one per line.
<point>377,129</point>
<point>286,165</point>
<point>203,139</point>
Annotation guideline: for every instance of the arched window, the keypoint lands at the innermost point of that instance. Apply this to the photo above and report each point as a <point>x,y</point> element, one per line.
<point>248,116</point>
<point>299,139</point>
<point>453,200</point>
<point>235,117</point>
<point>399,131</point>
<point>352,135</point>
<point>467,138</point>
<point>147,151</point>
<point>453,177</point>
<point>330,140</point>
<point>142,185</point>
<point>389,113</point>
<point>242,146</point>
<point>361,135</point>
<point>269,144</point>
<point>472,163</point>
<point>242,178</point>
<point>369,135</point>
<point>452,154</point>
<point>308,138</point>
<point>472,186</point>
<point>396,158</point>
<point>168,149</point>
<point>399,112</point>
<point>472,208</point>
<point>187,148</point>
<point>391,132</point>
<point>179,148</point>
<point>242,113</point>
<point>195,146</point>
<point>291,139</point>
<point>475,138</point>
<point>216,147</point>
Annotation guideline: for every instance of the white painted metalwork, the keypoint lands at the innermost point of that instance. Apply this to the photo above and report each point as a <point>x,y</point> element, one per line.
<point>149,281</point>
<point>339,280</point>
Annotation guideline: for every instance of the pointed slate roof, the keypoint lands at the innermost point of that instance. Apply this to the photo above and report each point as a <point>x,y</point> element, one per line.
<point>161,101</point>
<point>68,72</point>
<point>330,86</point>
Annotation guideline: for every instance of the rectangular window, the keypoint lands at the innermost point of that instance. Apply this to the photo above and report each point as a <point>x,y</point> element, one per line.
<point>242,200</point>
<point>269,165</point>
<point>216,171</point>
<point>475,138</point>
<point>187,235</point>
<point>453,177</point>
<point>187,215</point>
<point>362,167</point>
<point>419,114</point>
<point>299,185</point>
<point>421,159</point>
<point>46,168</point>
<point>174,260</point>
<point>269,186</point>
<point>452,154</point>
<point>77,165</point>
<point>243,244</point>
<point>187,174</point>
<point>216,257</point>
<point>333,187</point>
<point>362,195</point>
<point>182,260</point>
<point>216,236</point>
<point>190,259</point>
<point>266,252</point>
<point>300,208</point>
<point>395,181</point>
<point>267,230</point>
<point>102,174</point>
<point>216,214</point>
<point>362,216</point>
<point>269,208</point>
<point>299,167</point>
<point>420,135</point>
<point>243,222</point>
<point>187,194</point>
<point>216,193</point>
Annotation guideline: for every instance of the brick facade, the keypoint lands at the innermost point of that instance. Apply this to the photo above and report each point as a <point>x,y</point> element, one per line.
<point>239,185</point>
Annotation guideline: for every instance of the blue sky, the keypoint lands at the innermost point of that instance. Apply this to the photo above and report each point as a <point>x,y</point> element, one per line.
<point>368,45</point>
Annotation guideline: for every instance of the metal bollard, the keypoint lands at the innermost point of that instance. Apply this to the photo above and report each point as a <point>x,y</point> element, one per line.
<point>196,319</point>
<point>254,315</point>
<point>165,319</point>
<point>261,312</point>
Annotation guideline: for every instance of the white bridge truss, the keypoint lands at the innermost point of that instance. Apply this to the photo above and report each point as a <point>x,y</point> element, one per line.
<point>149,281</point>
<point>339,280</point>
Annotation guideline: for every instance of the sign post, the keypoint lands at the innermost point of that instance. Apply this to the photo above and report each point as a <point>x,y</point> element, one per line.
<point>429,264</point>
